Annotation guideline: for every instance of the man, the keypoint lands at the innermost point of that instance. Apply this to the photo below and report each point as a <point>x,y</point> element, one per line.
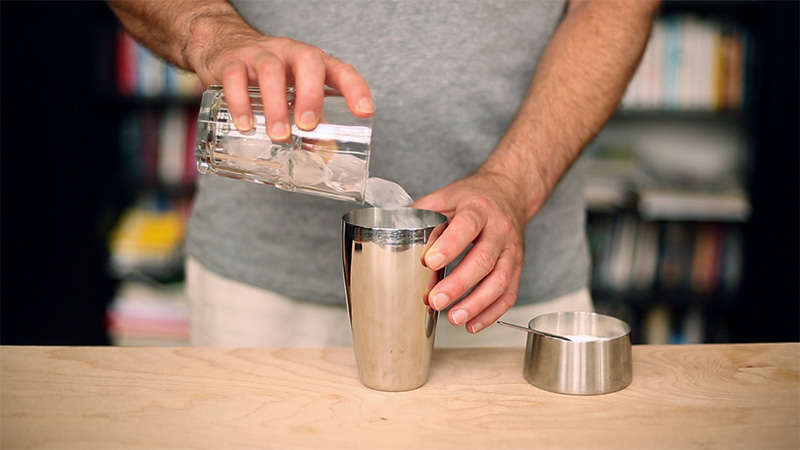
<point>484,105</point>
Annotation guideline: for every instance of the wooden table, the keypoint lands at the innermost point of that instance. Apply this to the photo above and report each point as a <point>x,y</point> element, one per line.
<point>699,396</point>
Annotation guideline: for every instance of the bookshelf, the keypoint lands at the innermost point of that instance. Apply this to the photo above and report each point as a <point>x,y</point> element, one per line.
<point>157,107</point>
<point>58,218</point>
<point>675,183</point>
<point>691,187</point>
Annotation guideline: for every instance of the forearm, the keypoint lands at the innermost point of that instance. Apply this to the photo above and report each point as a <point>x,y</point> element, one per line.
<point>181,31</point>
<point>578,84</point>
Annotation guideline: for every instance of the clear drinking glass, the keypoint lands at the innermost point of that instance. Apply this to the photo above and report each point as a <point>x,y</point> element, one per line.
<point>332,160</point>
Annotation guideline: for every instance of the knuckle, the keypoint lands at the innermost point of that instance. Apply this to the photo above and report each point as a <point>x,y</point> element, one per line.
<point>308,55</point>
<point>268,66</point>
<point>503,280</point>
<point>230,69</point>
<point>479,203</point>
<point>470,222</point>
<point>279,41</point>
<point>348,68</point>
<point>506,227</point>
<point>458,287</point>
<point>343,67</point>
<point>485,260</point>
<point>508,300</point>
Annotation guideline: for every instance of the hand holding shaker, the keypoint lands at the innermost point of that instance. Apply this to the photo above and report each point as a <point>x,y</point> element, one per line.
<point>387,288</point>
<point>332,160</point>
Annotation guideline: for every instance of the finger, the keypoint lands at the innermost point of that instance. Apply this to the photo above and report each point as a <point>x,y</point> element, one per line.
<point>271,74</point>
<point>479,262</point>
<point>485,289</point>
<point>464,227</point>
<point>491,298</point>
<point>309,73</point>
<point>234,83</point>
<point>351,84</point>
<point>492,313</point>
<point>434,202</point>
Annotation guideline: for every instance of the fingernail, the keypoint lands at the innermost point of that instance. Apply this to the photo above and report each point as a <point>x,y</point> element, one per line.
<point>440,301</point>
<point>458,316</point>
<point>280,131</point>
<point>365,106</point>
<point>477,326</point>
<point>243,124</point>
<point>434,260</point>
<point>308,120</point>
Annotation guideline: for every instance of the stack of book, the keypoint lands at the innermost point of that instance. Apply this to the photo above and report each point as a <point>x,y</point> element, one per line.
<point>139,73</point>
<point>147,241</point>
<point>158,147</point>
<point>146,247</point>
<point>695,258</point>
<point>692,64</point>
<point>148,315</point>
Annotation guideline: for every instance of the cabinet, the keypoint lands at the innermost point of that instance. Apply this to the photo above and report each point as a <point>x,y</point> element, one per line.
<point>682,182</point>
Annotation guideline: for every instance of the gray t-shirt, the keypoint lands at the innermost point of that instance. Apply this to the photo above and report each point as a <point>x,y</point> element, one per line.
<point>449,77</point>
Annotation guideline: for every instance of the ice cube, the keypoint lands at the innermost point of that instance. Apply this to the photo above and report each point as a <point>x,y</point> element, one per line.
<point>347,173</point>
<point>382,193</point>
<point>309,169</point>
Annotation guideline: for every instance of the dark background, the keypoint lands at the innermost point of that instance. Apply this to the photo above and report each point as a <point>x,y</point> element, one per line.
<point>61,193</point>
<point>59,172</point>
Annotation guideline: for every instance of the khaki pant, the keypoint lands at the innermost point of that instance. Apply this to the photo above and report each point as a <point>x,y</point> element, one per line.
<point>227,313</point>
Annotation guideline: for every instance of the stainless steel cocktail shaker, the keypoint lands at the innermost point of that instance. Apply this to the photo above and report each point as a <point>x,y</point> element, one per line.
<point>387,287</point>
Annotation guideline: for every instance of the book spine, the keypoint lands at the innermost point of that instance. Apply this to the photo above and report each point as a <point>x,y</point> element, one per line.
<point>691,63</point>
<point>125,53</point>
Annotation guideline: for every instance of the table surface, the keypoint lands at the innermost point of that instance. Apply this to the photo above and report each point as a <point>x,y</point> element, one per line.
<point>688,396</point>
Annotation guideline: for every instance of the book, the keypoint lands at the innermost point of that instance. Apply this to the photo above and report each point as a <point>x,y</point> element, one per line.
<point>674,267</point>
<point>172,147</point>
<point>691,63</point>
<point>645,259</point>
<point>150,73</point>
<point>147,242</point>
<point>125,53</point>
<point>149,147</point>
<point>140,73</point>
<point>144,314</point>
<point>732,205</point>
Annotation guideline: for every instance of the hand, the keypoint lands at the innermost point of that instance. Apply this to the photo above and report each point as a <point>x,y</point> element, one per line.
<point>488,211</point>
<point>273,63</point>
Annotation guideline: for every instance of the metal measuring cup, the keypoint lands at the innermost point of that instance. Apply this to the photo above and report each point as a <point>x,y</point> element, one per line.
<point>580,353</point>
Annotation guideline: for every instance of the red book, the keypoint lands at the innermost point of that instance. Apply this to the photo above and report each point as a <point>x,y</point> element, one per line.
<point>126,63</point>
<point>149,142</point>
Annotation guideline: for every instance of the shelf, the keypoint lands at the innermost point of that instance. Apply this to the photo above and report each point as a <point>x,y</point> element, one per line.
<point>159,102</point>
<point>678,115</point>
<point>740,10</point>
<point>663,204</point>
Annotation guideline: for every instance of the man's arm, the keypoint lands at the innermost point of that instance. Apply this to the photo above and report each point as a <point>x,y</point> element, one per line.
<point>209,38</point>
<point>577,86</point>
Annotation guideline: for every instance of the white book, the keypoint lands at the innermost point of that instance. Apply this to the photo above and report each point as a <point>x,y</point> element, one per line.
<point>624,248</point>
<point>172,146</point>
<point>674,204</point>
<point>658,43</point>
<point>687,70</point>
<point>151,73</point>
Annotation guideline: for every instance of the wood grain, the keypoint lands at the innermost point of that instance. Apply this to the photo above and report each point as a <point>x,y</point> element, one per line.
<point>705,396</point>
